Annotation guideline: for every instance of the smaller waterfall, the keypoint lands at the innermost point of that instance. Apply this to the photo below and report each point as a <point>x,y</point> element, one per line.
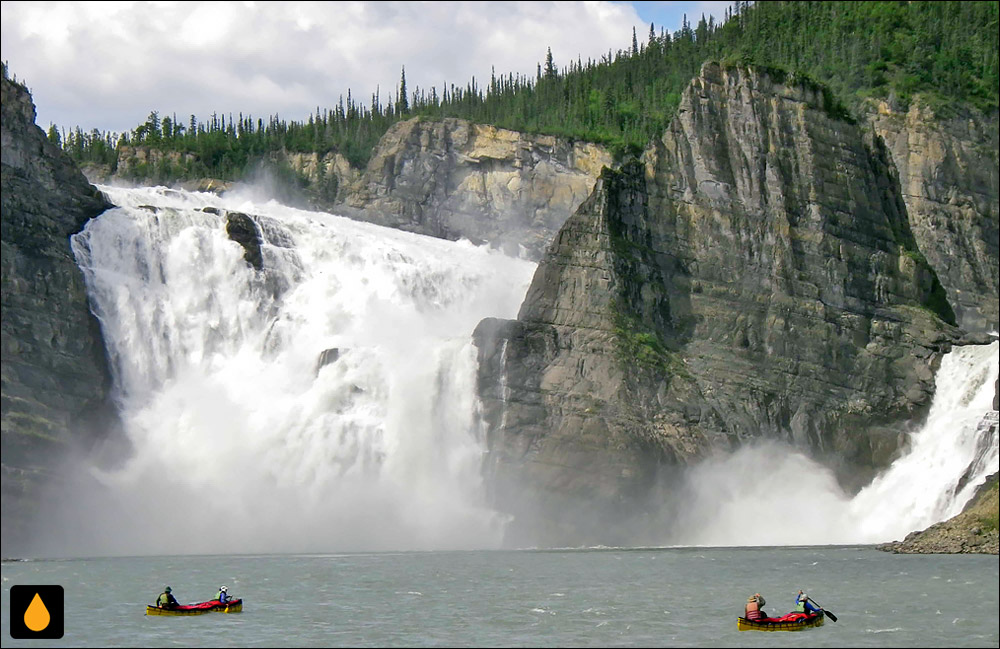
<point>770,494</point>
<point>497,444</point>
<point>504,390</point>
<point>949,457</point>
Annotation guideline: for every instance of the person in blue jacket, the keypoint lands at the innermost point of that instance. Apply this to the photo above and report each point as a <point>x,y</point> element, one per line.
<point>804,605</point>
<point>223,595</point>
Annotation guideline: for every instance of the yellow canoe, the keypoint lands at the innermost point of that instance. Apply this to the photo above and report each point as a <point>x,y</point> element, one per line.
<point>214,606</point>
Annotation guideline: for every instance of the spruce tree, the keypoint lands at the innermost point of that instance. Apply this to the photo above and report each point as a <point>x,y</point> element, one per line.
<point>550,67</point>
<point>402,106</point>
<point>54,135</point>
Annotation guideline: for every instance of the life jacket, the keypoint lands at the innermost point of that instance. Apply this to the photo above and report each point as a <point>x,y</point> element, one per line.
<point>753,610</point>
<point>800,605</point>
<point>165,599</point>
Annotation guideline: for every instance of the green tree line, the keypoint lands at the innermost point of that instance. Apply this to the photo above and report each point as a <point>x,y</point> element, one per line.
<point>946,52</point>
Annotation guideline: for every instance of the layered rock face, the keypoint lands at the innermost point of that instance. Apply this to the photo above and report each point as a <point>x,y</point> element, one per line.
<point>948,175</point>
<point>455,179</point>
<point>752,276</point>
<point>55,378</point>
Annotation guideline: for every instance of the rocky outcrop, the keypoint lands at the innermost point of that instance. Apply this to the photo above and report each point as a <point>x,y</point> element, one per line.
<point>140,162</point>
<point>752,276</point>
<point>241,229</point>
<point>55,378</point>
<point>455,179</point>
<point>330,175</point>
<point>974,531</point>
<point>949,179</point>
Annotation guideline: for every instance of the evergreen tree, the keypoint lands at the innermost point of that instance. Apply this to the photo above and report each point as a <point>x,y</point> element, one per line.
<point>53,135</point>
<point>550,66</point>
<point>402,106</point>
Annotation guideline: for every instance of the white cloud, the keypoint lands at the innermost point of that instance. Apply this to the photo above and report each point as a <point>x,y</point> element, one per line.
<point>107,65</point>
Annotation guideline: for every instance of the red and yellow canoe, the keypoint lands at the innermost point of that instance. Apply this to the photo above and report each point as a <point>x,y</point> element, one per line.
<point>212,606</point>
<point>790,622</point>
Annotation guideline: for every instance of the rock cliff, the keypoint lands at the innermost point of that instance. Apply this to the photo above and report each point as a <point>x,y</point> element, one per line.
<point>753,276</point>
<point>948,176</point>
<point>55,378</point>
<point>455,179</point>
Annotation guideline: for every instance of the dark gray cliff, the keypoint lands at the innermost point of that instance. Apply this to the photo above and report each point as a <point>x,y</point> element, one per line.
<point>55,378</point>
<point>753,276</point>
<point>948,172</point>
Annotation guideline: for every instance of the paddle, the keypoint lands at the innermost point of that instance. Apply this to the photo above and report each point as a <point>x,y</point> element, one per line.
<point>828,613</point>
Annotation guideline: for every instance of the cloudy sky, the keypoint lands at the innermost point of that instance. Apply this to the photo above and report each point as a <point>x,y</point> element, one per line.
<point>106,65</point>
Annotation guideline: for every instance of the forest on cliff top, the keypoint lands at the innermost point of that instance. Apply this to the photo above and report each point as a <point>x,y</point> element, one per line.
<point>944,52</point>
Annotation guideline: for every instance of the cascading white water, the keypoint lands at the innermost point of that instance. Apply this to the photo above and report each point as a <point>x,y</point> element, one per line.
<point>239,431</point>
<point>924,486</point>
<point>769,494</point>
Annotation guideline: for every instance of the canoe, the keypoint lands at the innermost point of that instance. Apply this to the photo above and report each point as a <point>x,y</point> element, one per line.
<point>790,622</point>
<point>212,606</point>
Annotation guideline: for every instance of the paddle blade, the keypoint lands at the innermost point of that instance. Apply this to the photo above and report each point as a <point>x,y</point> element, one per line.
<point>830,615</point>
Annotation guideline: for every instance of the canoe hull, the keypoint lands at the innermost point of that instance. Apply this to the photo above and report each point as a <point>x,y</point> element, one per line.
<point>809,622</point>
<point>236,606</point>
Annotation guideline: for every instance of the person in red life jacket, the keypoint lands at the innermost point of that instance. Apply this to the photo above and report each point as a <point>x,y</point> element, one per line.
<point>755,607</point>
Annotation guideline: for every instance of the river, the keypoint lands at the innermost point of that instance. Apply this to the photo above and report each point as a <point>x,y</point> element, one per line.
<point>673,597</point>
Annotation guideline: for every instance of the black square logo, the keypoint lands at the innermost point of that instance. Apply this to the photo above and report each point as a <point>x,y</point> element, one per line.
<point>36,612</point>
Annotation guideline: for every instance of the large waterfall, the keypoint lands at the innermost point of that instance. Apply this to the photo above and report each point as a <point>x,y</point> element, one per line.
<point>327,401</point>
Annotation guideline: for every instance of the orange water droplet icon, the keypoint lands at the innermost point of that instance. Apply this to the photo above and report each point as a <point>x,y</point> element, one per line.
<point>37,616</point>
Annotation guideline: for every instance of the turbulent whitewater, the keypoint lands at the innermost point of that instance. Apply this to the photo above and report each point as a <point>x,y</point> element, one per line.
<point>324,402</point>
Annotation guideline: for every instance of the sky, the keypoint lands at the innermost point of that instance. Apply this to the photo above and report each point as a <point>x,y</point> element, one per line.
<point>107,65</point>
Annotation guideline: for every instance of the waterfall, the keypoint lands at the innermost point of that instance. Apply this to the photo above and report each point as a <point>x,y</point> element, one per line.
<point>948,458</point>
<point>770,494</point>
<point>325,402</point>
<point>497,442</point>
